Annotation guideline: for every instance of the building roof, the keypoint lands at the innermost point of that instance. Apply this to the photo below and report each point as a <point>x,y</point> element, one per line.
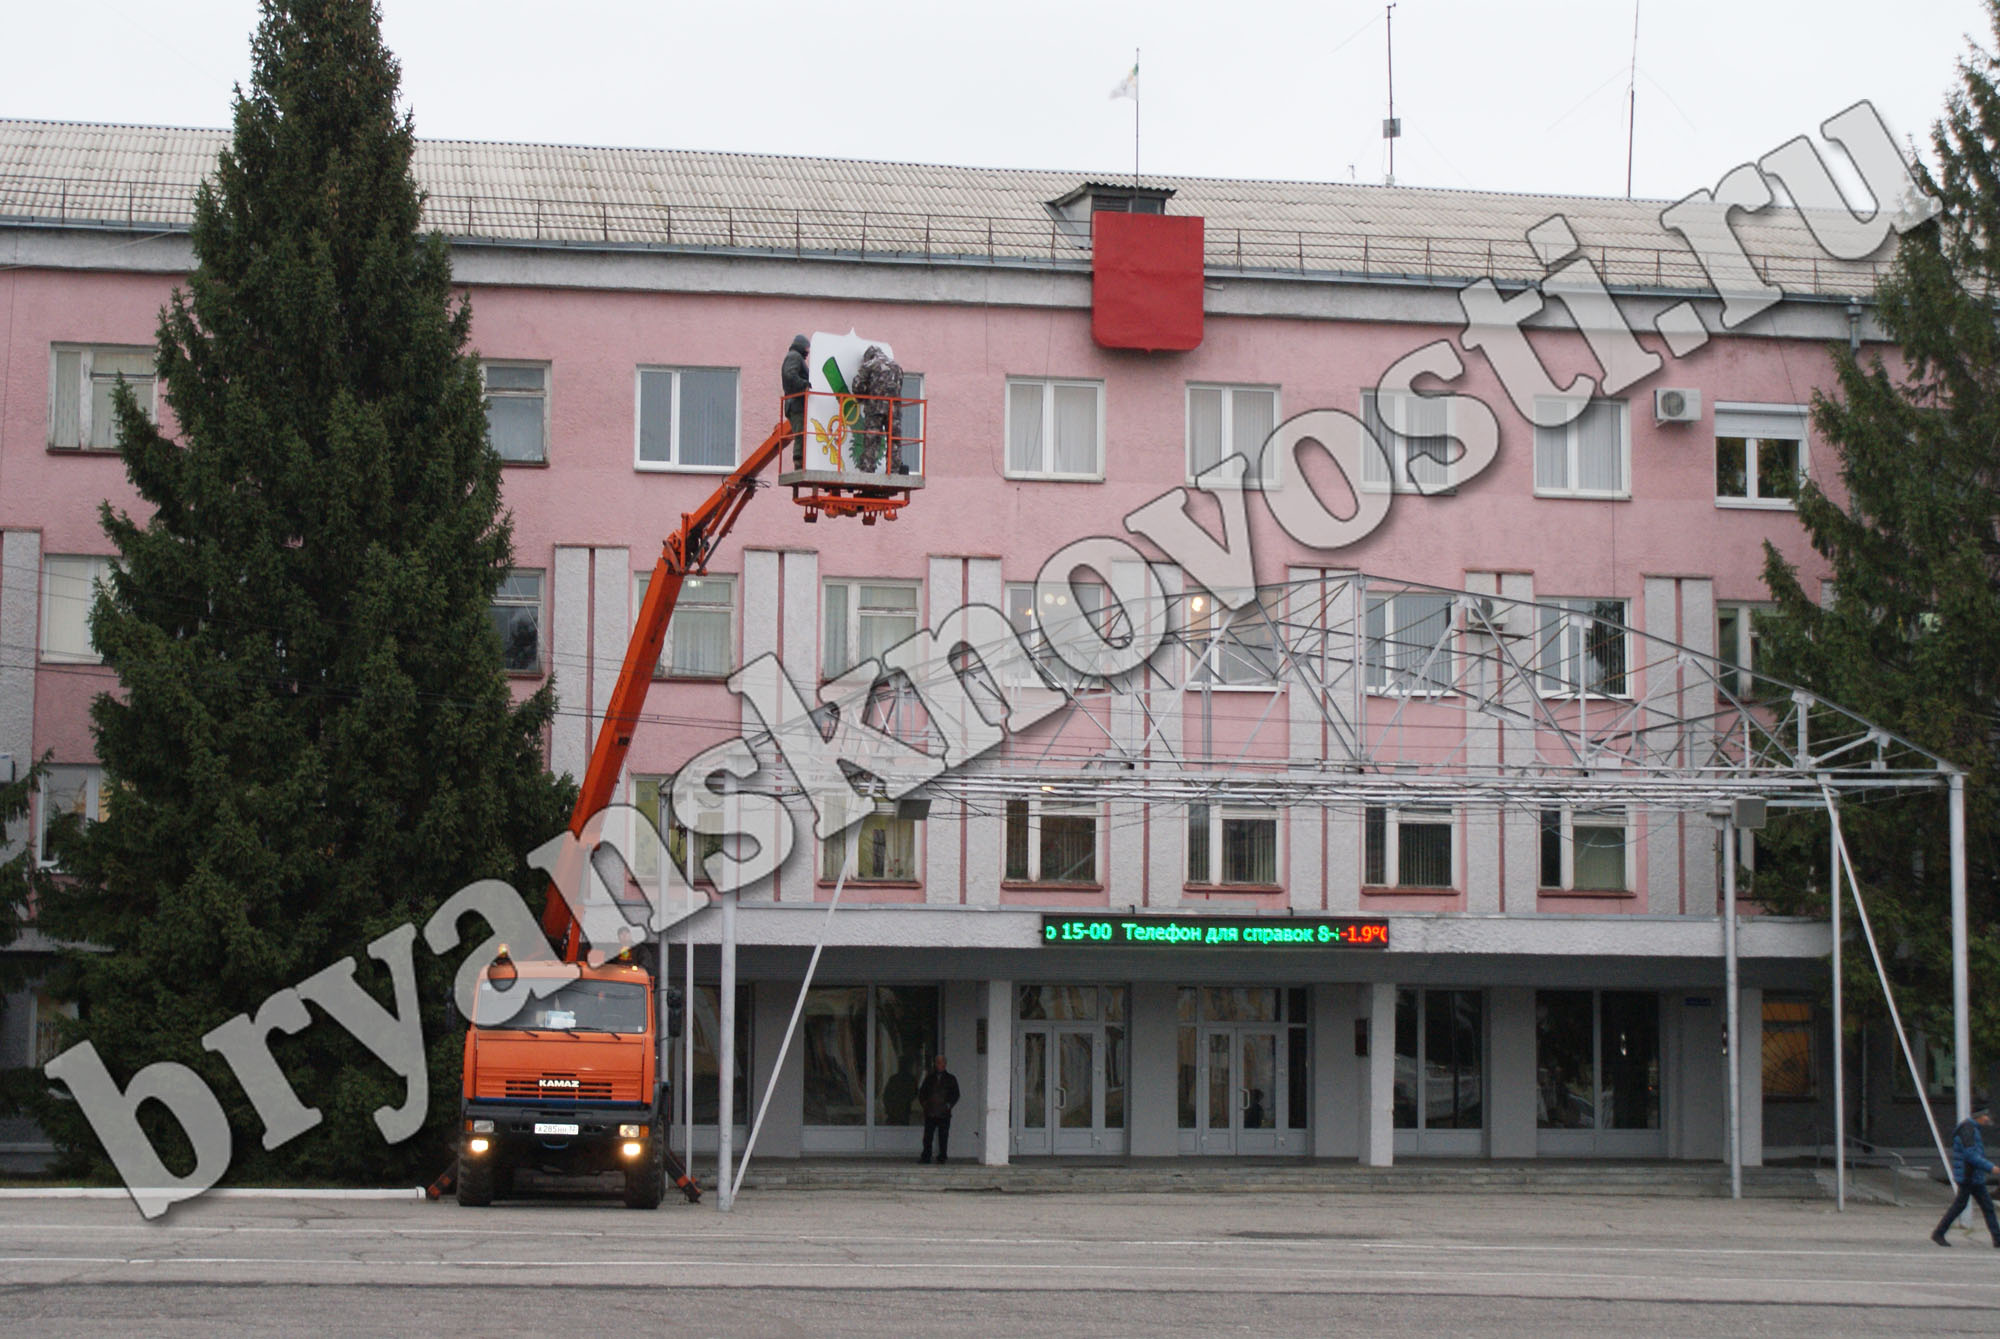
<point>144,176</point>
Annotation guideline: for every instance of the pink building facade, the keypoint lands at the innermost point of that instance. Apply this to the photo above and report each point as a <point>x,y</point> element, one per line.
<point>1552,982</point>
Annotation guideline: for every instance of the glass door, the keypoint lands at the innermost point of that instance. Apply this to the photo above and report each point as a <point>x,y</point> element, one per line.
<point>1074,1093</point>
<point>1241,1091</point>
<point>1031,1093</point>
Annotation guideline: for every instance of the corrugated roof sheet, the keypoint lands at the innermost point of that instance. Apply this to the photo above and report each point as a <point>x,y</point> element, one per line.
<point>145,175</point>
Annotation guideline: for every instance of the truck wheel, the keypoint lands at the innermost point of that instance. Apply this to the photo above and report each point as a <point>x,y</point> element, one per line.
<point>475,1182</point>
<point>646,1186</point>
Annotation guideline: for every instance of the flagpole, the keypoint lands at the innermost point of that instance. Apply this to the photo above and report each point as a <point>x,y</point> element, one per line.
<point>1135,118</point>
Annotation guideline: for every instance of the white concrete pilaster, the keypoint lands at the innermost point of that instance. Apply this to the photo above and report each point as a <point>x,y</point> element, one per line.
<point>1378,1093</point>
<point>998,1100</point>
<point>574,727</point>
<point>1511,1116</point>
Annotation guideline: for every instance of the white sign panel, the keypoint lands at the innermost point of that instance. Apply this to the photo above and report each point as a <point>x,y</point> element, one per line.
<point>834,418</point>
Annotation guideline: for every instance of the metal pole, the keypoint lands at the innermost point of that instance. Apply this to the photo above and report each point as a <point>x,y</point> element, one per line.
<point>687,1045</point>
<point>1734,1024</point>
<point>1839,1034</point>
<point>725,1065</point>
<point>1961,998</point>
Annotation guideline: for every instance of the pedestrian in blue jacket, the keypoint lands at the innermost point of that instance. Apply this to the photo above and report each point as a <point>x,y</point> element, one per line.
<point>1970,1167</point>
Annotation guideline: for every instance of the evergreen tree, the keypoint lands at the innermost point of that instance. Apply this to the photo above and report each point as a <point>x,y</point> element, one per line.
<point>1911,640</point>
<point>22,884</point>
<point>313,741</point>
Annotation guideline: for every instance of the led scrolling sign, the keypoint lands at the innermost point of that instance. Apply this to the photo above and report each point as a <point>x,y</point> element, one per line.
<point>1281,932</point>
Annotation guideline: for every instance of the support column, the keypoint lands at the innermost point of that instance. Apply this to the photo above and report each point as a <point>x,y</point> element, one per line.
<point>1750,1072</point>
<point>1511,1119</point>
<point>998,1123</point>
<point>1378,1091</point>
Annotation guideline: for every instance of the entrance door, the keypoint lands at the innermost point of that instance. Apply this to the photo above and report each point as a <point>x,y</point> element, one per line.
<point>1241,1089</point>
<point>1061,1092</point>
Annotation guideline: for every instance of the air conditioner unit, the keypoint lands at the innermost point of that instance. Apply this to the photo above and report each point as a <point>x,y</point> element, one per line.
<point>1676,406</point>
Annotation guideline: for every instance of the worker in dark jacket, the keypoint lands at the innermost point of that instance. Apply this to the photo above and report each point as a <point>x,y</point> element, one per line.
<point>938,1094</point>
<point>1969,1168</point>
<point>796,380</point>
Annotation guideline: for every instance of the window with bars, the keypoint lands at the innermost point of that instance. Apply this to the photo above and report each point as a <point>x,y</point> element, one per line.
<point>1050,842</point>
<point>1789,1068</point>
<point>1232,845</point>
<point>686,418</point>
<point>1224,421</point>
<point>1408,847</point>
<point>1586,457</point>
<point>82,381</point>
<point>1586,850</point>
<point>1414,431</point>
<point>864,619</point>
<point>1409,643</point>
<point>517,411</point>
<point>1055,429</point>
<point>1582,648</point>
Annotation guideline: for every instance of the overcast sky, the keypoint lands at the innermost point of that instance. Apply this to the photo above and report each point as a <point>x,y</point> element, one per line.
<point>1495,94</point>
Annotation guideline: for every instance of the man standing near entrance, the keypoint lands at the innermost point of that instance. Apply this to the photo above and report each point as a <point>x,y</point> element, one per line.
<point>938,1094</point>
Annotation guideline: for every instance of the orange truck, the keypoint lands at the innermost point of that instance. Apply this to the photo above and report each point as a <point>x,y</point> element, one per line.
<point>569,1081</point>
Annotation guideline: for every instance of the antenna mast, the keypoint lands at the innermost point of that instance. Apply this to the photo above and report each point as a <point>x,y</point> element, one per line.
<point>1632,101</point>
<point>1392,129</point>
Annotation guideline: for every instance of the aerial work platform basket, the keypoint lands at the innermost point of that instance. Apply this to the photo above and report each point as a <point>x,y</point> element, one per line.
<point>857,445</point>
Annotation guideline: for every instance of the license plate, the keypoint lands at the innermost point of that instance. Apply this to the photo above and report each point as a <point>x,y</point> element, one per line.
<point>554,1127</point>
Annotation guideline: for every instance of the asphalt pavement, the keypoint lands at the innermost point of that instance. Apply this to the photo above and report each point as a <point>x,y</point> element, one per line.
<point>826,1263</point>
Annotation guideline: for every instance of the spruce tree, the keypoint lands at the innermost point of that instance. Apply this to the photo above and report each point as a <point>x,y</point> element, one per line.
<point>23,883</point>
<point>1911,640</point>
<point>313,740</point>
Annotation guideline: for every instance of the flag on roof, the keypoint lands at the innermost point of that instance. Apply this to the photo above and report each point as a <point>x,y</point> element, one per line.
<point>1128,87</point>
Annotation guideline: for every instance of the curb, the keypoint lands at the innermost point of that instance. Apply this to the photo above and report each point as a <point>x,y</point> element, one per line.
<point>245,1193</point>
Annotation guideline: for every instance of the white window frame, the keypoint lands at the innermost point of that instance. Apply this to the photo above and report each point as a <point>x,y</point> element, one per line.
<point>1390,679</point>
<point>540,605</point>
<point>850,851</point>
<point>1226,668</point>
<point>1738,660</point>
<point>1389,414</point>
<point>488,394</point>
<point>855,613</point>
<point>1594,818</point>
<point>1262,466</point>
<point>1038,808</point>
<point>1547,408</point>
<point>673,464</point>
<point>84,388</point>
<point>84,779</point>
<point>1048,471</point>
<point>702,584</point>
<point>1023,598</point>
<point>1216,814</point>
<point>1394,816</point>
<point>1567,653</point>
<point>645,788</point>
<point>42,1009</point>
<point>79,574</point>
<point>1761,423</point>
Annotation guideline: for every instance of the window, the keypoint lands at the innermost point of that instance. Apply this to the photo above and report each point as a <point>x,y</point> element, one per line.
<point>907,430</point>
<point>69,590</point>
<point>1414,433</point>
<point>687,418</point>
<point>884,850</point>
<point>1409,643</point>
<point>1408,847</point>
<point>708,838</point>
<point>49,1013</point>
<point>1224,421</point>
<point>1739,643</point>
<point>867,1049</point>
<point>1788,1049</point>
<point>1438,1074</point>
<point>864,619</point>
<point>1232,845</point>
<point>81,381</point>
<point>1586,851</point>
<point>1242,647</point>
<point>517,411</point>
<point>1580,649</point>
<point>75,790</point>
<point>1049,842</point>
<point>1055,429</point>
<point>1760,455</point>
<point>701,636</point>
<point>1584,457</point>
<point>1022,605</point>
<point>704,1024</point>
<point>1934,1062</point>
<point>1597,1060</point>
<point>517,620</point>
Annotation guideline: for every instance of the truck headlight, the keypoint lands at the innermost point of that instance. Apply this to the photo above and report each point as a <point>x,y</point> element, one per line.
<point>631,1132</point>
<point>482,1127</point>
<point>477,1146</point>
<point>633,1149</point>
